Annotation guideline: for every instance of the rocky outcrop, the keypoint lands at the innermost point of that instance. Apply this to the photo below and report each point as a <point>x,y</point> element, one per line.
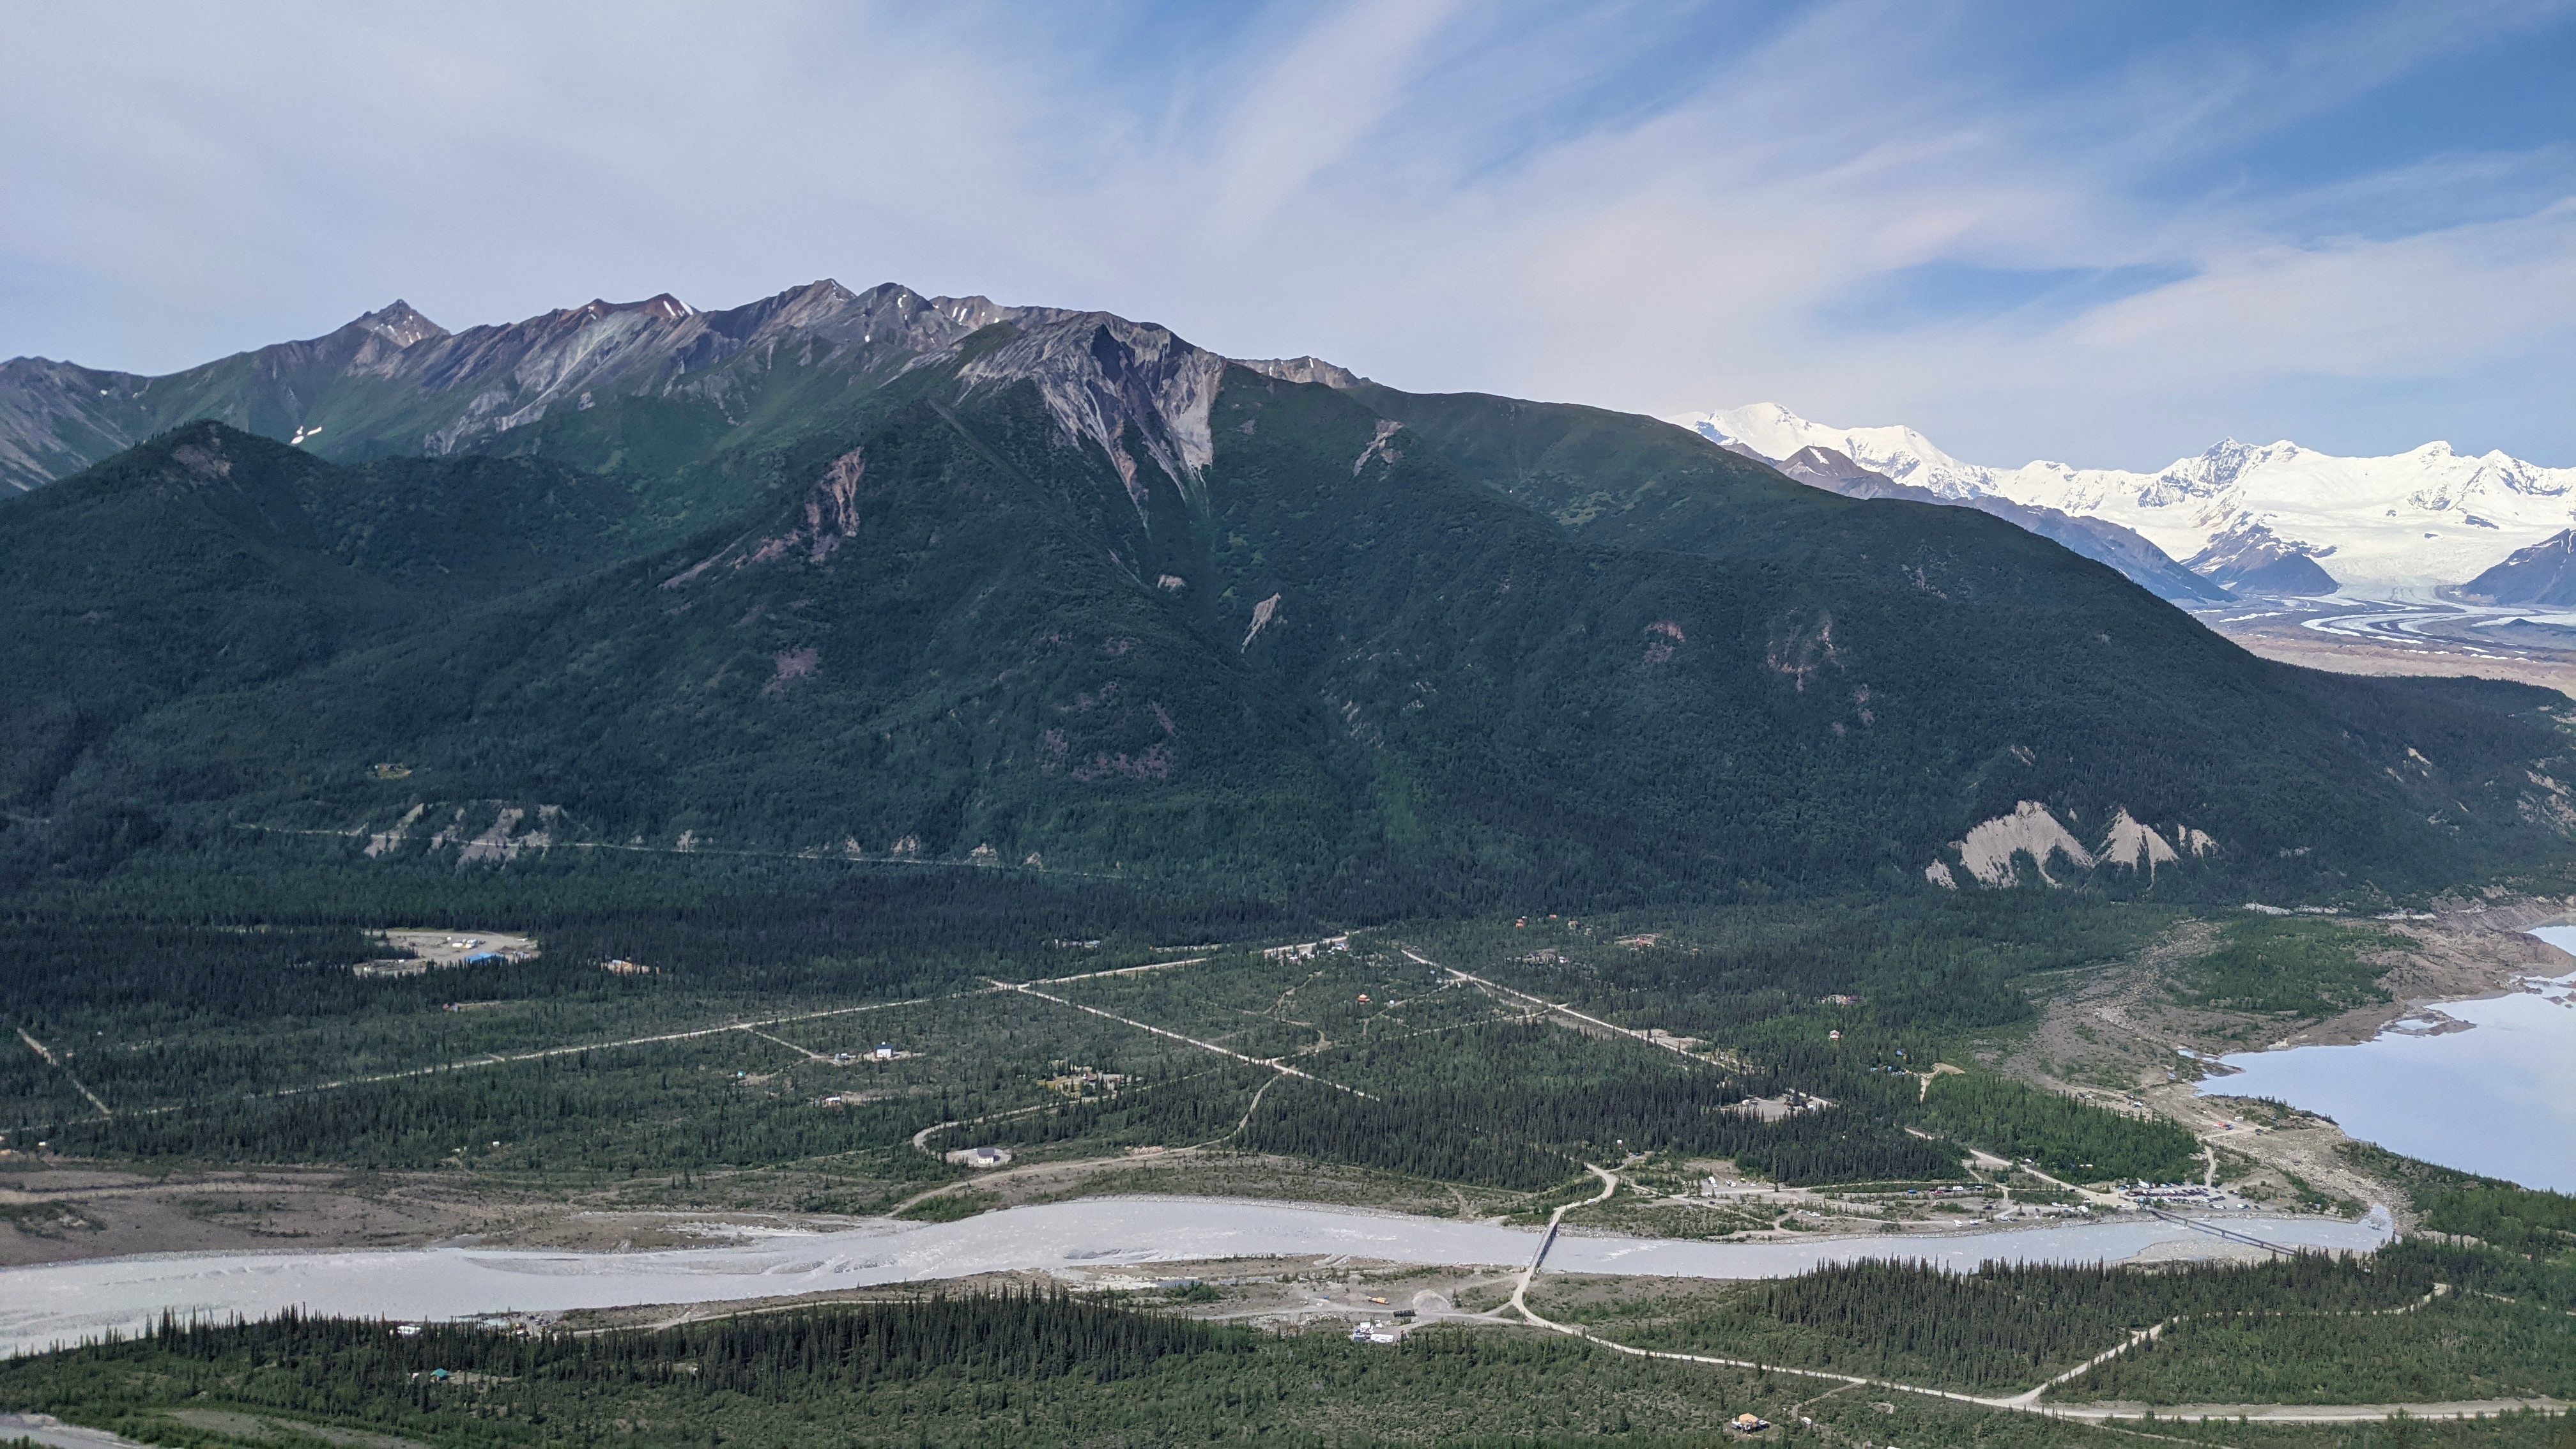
<point>2135,846</point>
<point>2251,558</point>
<point>1106,379</point>
<point>831,515</point>
<point>394,381</point>
<point>2541,576</point>
<point>1991,853</point>
<point>1988,852</point>
<point>1303,369</point>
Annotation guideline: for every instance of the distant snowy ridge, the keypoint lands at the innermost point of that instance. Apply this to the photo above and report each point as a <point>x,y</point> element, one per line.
<point>2098,539</point>
<point>2274,518</point>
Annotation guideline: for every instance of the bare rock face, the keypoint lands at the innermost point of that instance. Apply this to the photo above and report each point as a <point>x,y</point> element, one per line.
<point>2135,846</point>
<point>1990,855</point>
<point>399,325</point>
<point>2251,557</point>
<point>1988,852</point>
<point>1303,369</point>
<point>1102,376</point>
<point>392,380</point>
<point>518,374</point>
<point>2543,575</point>
<point>831,515</point>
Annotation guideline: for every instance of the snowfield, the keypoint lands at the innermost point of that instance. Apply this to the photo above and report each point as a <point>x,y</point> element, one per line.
<point>2398,527</point>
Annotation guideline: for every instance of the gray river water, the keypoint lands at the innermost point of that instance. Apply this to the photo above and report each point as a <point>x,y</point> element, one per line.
<point>61,1303</point>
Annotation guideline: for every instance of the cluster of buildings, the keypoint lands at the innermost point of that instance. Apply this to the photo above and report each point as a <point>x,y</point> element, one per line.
<point>456,951</point>
<point>1391,1332</point>
<point>1307,950</point>
<point>1787,1104</point>
<point>1078,1082</point>
<point>2177,1194</point>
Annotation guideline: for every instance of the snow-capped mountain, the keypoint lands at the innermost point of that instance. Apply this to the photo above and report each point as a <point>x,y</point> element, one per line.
<point>2271,518</point>
<point>2105,543</point>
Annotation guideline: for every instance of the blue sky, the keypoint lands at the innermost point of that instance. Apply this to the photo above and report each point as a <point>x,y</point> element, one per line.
<point>2103,233</point>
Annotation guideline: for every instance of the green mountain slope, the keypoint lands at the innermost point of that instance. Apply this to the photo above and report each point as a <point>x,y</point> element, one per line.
<point>1068,593</point>
<point>2138,699</point>
<point>209,561</point>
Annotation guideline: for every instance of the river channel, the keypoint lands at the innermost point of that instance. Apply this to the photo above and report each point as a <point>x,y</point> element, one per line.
<point>67,1302</point>
<point>2485,1086</point>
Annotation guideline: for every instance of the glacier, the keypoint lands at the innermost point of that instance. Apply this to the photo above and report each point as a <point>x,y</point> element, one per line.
<point>2403,527</point>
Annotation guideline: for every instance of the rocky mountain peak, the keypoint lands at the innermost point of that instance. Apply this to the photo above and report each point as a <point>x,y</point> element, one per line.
<point>399,323</point>
<point>1303,369</point>
<point>1100,374</point>
<point>824,298</point>
<point>661,307</point>
<point>2223,463</point>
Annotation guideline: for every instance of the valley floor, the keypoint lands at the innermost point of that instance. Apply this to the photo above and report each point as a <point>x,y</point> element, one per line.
<point>2422,639</point>
<point>1153,1073</point>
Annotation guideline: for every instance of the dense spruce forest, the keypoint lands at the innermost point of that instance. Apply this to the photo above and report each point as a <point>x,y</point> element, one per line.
<point>2498,1323</point>
<point>209,1036</point>
<point>1018,1365</point>
<point>2060,1133</point>
<point>2522,1224</point>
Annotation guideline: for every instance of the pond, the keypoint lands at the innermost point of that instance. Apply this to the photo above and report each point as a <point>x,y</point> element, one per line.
<point>2498,1098</point>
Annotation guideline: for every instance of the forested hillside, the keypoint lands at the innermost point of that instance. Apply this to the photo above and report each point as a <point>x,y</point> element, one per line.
<point>1073,596</point>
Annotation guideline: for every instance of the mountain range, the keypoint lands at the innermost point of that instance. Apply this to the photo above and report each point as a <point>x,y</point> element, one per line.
<point>2146,565</point>
<point>879,577</point>
<point>2263,519</point>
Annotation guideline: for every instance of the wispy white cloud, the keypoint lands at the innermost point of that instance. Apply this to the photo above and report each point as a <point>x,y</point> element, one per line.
<point>1648,205</point>
<point>1329,91</point>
